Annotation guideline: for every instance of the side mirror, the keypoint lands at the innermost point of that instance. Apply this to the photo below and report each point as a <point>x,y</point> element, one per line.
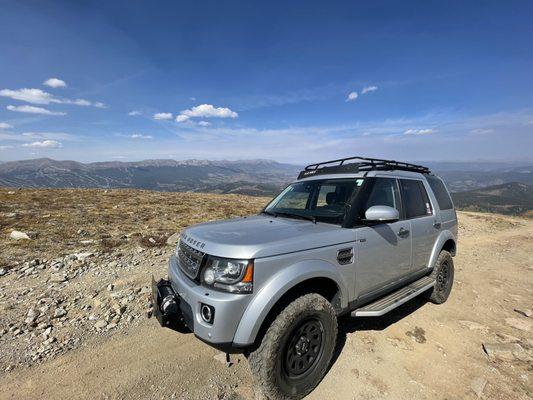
<point>382,214</point>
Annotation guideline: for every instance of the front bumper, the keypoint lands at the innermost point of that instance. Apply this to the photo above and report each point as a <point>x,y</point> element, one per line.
<point>229,308</point>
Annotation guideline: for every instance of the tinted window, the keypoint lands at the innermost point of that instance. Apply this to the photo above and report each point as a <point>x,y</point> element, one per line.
<point>440,192</point>
<point>415,199</point>
<point>384,193</point>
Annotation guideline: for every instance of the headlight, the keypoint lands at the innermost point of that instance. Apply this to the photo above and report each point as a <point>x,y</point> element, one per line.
<point>228,274</point>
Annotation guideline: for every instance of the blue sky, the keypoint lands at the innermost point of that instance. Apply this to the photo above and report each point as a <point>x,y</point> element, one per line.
<point>294,82</point>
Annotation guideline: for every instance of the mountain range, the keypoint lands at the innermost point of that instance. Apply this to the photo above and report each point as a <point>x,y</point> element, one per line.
<point>254,177</point>
<point>509,198</point>
<point>483,185</point>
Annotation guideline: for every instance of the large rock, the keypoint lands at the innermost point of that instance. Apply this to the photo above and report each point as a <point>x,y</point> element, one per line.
<point>60,312</point>
<point>100,324</point>
<point>31,316</point>
<point>506,351</point>
<point>82,256</point>
<point>173,239</point>
<point>18,235</point>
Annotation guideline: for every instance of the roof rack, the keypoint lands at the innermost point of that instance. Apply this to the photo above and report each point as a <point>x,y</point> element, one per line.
<point>362,164</point>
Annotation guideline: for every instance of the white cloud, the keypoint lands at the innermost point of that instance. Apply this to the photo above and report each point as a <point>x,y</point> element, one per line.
<point>34,96</point>
<point>140,136</point>
<point>55,83</point>
<point>38,96</point>
<point>82,102</point>
<point>204,123</point>
<point>369,89</point>
<point>181,118</point>
<point>5,125</point>
<point>34,110</point>
<point>49,144</point>
<point>134,113</point>
<point>5,147</point>
<point>163,116</point>
<point>352,96</point>
<point>419,131</point>
<point>209,111</point>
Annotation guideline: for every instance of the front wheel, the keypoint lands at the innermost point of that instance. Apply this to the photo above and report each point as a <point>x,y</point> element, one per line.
<point>297,348</point>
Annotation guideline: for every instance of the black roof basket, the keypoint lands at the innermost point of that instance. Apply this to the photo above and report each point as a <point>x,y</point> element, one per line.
<point>359,164</point>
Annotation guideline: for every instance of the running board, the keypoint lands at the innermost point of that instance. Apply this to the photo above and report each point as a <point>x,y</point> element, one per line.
<point>395,299</point>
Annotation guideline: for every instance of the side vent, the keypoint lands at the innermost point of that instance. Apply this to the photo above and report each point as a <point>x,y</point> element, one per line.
<point>345,256</point>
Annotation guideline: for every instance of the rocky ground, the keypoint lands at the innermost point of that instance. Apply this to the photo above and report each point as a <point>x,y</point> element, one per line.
<point>75,264</point>
<point>74,287</point>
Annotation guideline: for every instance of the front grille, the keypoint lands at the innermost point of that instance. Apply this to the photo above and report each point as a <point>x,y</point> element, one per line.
<point>190,260</point>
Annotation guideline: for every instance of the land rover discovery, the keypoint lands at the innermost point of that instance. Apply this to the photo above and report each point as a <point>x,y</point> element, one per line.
<point>357,236</point>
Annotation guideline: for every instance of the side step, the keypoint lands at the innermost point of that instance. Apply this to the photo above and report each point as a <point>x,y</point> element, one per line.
<point>395,299</point>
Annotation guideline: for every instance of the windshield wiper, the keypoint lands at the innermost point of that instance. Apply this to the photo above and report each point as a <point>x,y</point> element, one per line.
<point>306,217</point>
<point>268,213</point>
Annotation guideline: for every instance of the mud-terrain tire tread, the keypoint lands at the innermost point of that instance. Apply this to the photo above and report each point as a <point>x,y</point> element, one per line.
<point>436,296</point>
<point>262,360</point>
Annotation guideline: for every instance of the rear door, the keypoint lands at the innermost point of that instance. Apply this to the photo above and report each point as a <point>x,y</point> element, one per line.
<point>418,210</point>
<point>383,251</point>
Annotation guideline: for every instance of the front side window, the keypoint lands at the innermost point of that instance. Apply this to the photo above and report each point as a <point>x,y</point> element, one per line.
<point>415,199</point>
<point>321,200</point>
<point>384,193</point>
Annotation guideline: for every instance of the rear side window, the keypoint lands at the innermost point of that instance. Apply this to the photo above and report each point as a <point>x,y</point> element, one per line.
<point>440,192</point>
<point>415,199</point>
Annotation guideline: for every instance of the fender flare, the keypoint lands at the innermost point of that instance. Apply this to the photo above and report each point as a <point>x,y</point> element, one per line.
<point>443,237</point>
<point>279,284</point>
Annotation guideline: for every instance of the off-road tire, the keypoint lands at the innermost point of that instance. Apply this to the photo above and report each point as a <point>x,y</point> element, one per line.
<point>269,361</point>
<point>443,275</point>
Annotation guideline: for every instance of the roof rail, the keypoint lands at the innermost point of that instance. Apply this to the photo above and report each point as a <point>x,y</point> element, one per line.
<point>362,164</point>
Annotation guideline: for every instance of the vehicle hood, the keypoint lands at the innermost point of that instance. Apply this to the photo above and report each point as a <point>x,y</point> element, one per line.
<point>261,236</point>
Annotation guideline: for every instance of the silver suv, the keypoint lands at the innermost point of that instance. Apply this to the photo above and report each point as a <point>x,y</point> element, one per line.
<point>354,236</point>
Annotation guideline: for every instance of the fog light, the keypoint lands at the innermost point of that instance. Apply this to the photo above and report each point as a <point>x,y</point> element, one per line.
<point>208,313</point>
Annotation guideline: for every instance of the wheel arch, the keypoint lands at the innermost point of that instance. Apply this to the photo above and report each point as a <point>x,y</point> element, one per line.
<point>319,277</point>
<point>450,246</point>
<point>445,241</point>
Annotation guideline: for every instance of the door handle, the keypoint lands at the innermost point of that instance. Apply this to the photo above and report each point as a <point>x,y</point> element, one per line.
<point>436,225</point>
<point>403,232</point>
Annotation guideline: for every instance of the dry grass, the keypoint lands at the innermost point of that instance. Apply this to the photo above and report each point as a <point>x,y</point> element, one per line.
<point>64,219</point>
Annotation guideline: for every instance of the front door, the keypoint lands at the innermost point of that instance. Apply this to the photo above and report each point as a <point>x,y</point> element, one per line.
<point>383,251</point>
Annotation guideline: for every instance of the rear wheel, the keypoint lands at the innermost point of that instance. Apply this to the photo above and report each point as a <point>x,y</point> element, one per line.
<point>297,348</point>
<point>443,275</point>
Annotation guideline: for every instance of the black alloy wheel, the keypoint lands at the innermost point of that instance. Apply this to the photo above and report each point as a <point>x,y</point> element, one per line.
<point>304,347</point>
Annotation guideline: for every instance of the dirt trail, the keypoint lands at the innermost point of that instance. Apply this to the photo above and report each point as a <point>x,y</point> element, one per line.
<point>419,351</point>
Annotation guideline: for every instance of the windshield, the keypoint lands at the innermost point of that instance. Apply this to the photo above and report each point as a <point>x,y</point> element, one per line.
<point>318,200</point>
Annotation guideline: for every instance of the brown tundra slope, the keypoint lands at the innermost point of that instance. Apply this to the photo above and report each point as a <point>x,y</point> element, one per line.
<point>73,299</point>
